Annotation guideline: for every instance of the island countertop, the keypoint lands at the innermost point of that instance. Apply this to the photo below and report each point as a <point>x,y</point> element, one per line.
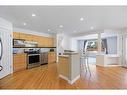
<point>67,54</point>
<point>70,53</point>
<point>64,56</point>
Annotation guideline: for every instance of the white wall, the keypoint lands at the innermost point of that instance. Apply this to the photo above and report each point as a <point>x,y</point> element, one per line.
<point>120,44</point>
<point>32,32</point>
<point>112,45</point>
<point>71,43</point>
<point>63,42</point>
<point>66,42</point>
<point>6,37</point>
<point>74,44</point>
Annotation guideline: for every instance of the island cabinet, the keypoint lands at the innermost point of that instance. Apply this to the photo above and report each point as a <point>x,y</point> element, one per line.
<point>51,57</point>
<point>69,67</point>
<point>19,62</point>
<point>64,66</point>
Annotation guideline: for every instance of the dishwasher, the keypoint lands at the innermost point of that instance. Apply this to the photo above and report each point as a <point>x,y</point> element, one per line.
<point>44,58</point>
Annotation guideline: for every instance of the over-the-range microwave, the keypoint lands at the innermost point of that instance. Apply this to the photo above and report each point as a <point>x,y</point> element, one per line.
<point>18,43</point>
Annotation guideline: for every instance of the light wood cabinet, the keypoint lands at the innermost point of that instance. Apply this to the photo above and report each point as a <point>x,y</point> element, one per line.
<point>16,35</point>
<point>35,38</point>
<point>64,66</point>
<point>51,42</point>
<point>46,42</point>
<point>51,57</point>
<point>29,37</point>
<point>42,41</point>
<point>22,36</point>
<point>19,62</point>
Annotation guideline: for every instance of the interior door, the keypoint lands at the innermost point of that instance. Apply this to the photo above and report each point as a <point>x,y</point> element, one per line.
<point>6,53</point>
<point>124,51</point>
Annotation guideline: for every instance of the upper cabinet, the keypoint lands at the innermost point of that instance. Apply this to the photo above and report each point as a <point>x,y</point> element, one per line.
<point>22,36</point>
<point>16,35</point>
<point>42,41</point>
<point>29,37</point>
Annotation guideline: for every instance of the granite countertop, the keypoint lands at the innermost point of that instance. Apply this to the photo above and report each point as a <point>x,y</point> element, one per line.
<point>67,54</point>
<point>109,55</point>
<point>34,47</point>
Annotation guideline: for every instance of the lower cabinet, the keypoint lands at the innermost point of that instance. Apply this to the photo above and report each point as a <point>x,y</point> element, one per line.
<point>51,57</point>
<point>19,62</point>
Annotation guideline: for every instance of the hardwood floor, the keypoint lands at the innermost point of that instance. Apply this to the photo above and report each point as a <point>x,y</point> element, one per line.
<point>46,77</point>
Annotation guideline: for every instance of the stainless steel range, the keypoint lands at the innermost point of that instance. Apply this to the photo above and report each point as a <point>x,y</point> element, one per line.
<point>33,58</point>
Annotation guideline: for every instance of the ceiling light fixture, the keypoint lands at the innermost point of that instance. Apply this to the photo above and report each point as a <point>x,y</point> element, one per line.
<point>81,19</point>
<point>74,31</point>
<point>24,23</point>
<point>61,26</point>
<point>49,30</point>
<point>91,27</point>
<point>33,15</point>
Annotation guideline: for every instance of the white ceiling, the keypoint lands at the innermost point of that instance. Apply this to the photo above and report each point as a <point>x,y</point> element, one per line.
<point>50,17</point>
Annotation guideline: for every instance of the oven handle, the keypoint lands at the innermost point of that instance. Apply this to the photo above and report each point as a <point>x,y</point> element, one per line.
<point>33,54</point>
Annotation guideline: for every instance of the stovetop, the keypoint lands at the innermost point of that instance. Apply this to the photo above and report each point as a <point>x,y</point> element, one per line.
<point>32,52</point>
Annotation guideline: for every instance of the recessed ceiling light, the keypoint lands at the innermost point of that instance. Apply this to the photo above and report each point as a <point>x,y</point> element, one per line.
<point>49,30</point>
<point>24,23</point>
<point>61,26</point>
<point>81,19</point>
<point>33,15</point>
<point>91,27</point>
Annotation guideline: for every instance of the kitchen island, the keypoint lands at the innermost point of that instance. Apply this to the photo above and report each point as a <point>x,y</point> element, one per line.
<point>107,60</point>
<point>69,67</point>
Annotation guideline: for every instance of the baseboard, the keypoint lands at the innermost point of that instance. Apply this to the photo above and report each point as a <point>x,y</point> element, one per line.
<point>63,77</point>
<point>112,65</point>
<point>72,81</point>
<point>69,81</point>
<point>108,65</point>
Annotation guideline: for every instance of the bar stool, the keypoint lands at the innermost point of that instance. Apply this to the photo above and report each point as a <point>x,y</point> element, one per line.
<point>84,57</point>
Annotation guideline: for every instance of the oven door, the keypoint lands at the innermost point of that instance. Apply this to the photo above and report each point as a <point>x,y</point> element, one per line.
<point>33,59</point>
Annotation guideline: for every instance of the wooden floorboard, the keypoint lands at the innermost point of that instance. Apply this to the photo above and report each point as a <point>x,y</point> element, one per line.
<point>46,77</point>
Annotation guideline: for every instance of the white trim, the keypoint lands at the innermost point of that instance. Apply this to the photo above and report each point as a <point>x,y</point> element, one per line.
<point>108,65</point>
<point>69,81</point>
<point>63,77</point>
<point>72,81</point>
<point>112,65</point>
